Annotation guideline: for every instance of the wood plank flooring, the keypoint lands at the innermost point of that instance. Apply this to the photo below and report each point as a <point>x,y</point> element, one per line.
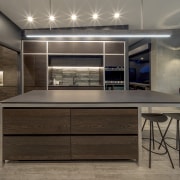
<point>98,170</point>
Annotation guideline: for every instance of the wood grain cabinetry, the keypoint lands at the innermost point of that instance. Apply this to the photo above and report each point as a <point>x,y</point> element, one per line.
<point>35,72</point>
<point>64,54</point>
<point>36,147</point>
<point>114,60</point>
<point>104,121</point>
<point>35,47</point>
<point>114,47</point>
<point>10,71</point>
<point>36,121</point>
<point>75,47</point>
<point>104,147</point>
<point>64,134</point>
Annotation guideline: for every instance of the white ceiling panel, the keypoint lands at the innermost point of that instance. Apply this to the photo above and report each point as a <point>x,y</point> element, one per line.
<point>157,14</point>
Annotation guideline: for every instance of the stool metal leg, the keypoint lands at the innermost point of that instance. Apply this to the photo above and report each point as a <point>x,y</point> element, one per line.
<point>150,144</point>
<point>177,135</point>
<point>153,135</point>
<point>178,140</point>
<point>144,124</point>
<point>165,133</point>
<point>165,145</point>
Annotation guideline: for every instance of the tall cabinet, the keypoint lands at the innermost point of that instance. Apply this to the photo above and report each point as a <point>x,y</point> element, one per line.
<point>73,65</point>
<point>9,73</point>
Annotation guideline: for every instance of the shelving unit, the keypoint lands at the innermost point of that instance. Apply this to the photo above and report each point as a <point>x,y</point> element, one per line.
<point>73,65</point>
<point>114,66</point>
<point>75,76</point>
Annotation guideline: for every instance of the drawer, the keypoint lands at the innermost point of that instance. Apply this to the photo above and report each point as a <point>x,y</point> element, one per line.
<point>104,121</point>
<point>36,148</point>
<point>104,147</point>
<point>36,121</point>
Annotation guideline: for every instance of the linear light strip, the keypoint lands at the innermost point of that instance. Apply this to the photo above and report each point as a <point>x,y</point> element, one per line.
<point>74,67</point>
<point>101,36</point>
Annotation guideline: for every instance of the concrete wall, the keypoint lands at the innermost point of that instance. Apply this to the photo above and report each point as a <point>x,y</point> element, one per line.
<point>165,64</point>
<point>10,34</point>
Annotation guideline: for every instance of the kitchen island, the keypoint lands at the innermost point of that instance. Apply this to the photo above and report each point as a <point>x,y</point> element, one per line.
<point>76,125</point>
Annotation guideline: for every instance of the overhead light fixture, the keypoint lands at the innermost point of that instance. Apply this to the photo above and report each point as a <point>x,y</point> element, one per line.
<point>95,16</point>
<point>51,18</point>
<point>80,33</point>
<point>30,19</point>
<point>116,15</point>
<point>73,17</point>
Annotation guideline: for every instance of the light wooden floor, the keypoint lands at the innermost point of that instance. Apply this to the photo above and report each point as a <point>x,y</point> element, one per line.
<point>97,170</point>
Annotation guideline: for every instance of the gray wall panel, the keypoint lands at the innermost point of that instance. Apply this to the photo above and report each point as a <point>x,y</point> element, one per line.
<point>10,34</point>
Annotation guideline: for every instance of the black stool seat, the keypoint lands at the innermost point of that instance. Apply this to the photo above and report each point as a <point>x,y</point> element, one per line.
<point>173,115</point>
<point>156,117</point>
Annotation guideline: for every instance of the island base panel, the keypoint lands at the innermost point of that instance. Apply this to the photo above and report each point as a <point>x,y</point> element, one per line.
<point>104,147</point>
<point>36,148</point>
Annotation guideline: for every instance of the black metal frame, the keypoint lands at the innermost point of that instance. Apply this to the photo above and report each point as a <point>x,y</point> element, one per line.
<point>151,138</point>
<point>177,137</point>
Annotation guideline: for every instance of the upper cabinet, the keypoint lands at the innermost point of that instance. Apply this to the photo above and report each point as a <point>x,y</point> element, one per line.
<point>75,47</point>
<point>74,64</point>
<point>114,47</point>
<point>35,47</point>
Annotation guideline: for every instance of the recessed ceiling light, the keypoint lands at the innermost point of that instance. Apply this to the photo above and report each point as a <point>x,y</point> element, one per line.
<point>95,16</point>
<point>116,15</point>
<point>30,19</point>
<point>51,18</point>
<point>73,17</point>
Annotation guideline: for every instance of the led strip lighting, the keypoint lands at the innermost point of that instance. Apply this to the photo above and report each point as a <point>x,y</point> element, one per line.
<point>99,36</point>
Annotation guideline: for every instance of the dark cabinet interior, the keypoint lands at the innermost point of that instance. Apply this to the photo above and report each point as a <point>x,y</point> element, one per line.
<point>76,60</point>
<point>139,70</point>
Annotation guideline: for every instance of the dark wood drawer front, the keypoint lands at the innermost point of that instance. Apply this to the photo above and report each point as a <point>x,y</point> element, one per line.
<point>75,47</point>
<point>104,121</point>
<point>104,147</point>
<point>36,121</point>
<point>34,47</point>
<point>36,148</point>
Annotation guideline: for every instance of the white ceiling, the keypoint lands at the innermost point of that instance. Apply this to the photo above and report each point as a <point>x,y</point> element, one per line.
<point>157,14</point>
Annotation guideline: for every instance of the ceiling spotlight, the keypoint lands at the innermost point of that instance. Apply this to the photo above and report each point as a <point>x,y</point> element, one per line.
<point>30,19</point>
<point>95,16</point>
<point>51,18</point>
<point>73,17</point>
<point>116,15</point>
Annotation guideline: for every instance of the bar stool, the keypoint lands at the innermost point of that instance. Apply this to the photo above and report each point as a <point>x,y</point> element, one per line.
<point>175,116</point>
<point>158,118</point>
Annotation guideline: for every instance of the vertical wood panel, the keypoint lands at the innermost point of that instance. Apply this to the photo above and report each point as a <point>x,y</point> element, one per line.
<point>35,72</point>
<point>9,66</point>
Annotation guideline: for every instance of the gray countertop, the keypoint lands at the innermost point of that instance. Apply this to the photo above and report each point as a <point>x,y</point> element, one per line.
<point>93,97</point>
